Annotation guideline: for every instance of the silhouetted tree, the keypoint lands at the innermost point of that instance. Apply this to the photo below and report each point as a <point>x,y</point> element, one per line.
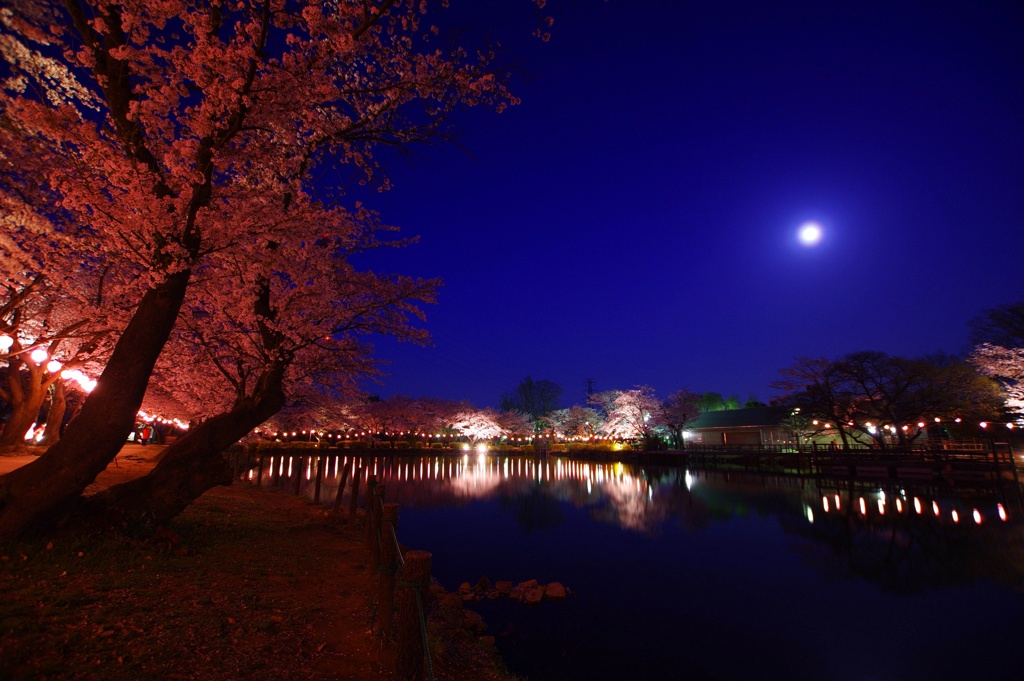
<point>535,398</point>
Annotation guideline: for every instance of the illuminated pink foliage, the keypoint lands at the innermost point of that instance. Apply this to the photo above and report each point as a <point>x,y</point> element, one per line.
<point>146,138</point>
<point>628,414</point>
<point>1006,364</point>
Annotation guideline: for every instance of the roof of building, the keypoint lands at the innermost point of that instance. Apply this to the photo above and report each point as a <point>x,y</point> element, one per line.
<point>750,417</point>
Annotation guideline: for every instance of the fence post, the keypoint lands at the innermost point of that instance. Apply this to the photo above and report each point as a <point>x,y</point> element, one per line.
<point>319,478</point>
<point>415,580</point>
<point>387,570</point>
<point>341,489</point>
<point>374,537</point>
<point>371,497</point>
<point>353,502</point>
<point>298,476</point>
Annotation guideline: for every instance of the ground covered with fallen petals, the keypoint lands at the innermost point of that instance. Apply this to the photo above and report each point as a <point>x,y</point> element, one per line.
<point>246,584</point>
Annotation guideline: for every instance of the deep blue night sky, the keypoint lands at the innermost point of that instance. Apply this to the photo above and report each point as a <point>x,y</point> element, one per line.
<point>634,220</point>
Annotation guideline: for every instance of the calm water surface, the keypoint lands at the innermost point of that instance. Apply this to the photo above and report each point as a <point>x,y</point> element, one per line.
<point>698,574</point>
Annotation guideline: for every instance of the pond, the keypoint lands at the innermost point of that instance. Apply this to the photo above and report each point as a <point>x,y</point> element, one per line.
<point>716,574</point>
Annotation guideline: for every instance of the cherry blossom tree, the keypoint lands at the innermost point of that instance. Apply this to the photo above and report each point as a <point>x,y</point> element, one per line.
<point>515,424</point>
<point>68,334</point>
<point>478,424</point>
<point>389,417</point>
<point>576,422</point>
<point>678,410</point>
<point>311,312</point>
<point>1007,366</point>
<point>629,414</point>
<point>157,135</point>
<point>435,416</point>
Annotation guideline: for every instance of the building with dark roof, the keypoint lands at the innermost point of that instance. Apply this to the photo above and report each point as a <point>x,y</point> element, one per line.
<point>750,426</point>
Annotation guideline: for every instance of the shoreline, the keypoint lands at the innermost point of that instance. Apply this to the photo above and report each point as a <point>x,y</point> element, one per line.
<point>246,583</point>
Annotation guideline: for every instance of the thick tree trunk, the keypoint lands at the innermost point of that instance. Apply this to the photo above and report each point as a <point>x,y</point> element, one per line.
<point>23,415</point>
<point>41,491</point>
<point>54,416</point>
<point>192,464</point>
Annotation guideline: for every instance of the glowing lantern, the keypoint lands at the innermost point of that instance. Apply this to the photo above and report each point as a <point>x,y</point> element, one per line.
<point>38,355</point>
<point>5,342</point>
<point>53,366</point>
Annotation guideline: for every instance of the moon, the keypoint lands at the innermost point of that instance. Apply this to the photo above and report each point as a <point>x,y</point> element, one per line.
<point>810,234</point>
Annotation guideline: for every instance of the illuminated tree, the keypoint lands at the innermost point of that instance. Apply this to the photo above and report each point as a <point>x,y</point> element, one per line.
<point>677,411</point>
<point>390,417</point>
<point>435,416</point>
<point>158,135</point>
<point>311,312</point>
<point>67,333</point>
<point>515,424</point>
<point>715,402</point>
<point>819,387</point>
<point>478,424</point>
<point>878,396</point>
<point>1005,365</point>
<point>629,414</point>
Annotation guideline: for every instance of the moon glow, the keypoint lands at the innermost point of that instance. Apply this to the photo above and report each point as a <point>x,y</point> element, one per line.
<point>810,234</point>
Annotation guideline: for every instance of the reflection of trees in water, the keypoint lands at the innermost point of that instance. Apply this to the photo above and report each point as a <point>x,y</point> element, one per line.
<point>534,509</point>
<point>906,552</point>
<point>903,552</point>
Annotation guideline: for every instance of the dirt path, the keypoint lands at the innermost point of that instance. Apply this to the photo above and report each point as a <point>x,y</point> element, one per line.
<point>247,584</point>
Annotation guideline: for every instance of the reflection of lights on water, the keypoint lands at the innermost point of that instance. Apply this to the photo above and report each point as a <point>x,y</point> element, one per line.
<point>309,468</point>
<point>881,506</point>
<point>956,516</point>
<point>1002,511</point>
<point>977,517</point>
<point>810,514</point>
<point>935,507</point>
<point>290,459</point>
<point>838,507</point>
<point>899,505</point>
<point>863,506</point>
<point>689,480</point>
<point>917,505</point>
<point>589,487</point>
<point>824,503</point>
